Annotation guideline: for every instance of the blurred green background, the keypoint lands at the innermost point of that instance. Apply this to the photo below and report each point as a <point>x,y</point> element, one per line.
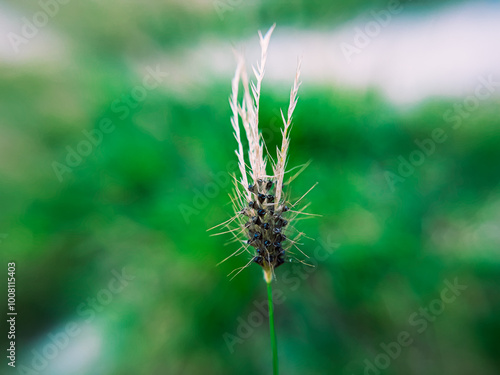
<point>140,199</point>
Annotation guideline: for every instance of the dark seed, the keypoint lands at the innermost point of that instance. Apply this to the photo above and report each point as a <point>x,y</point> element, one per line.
<point>261,197</point>
<point>258,260</point>
<point>265,226</point>
<point>261,212</point>
<point>256,220</point>
<point>280,237</point>
<point>281,223</point>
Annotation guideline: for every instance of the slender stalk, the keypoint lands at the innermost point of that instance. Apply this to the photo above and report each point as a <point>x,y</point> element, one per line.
<point>274,344</point>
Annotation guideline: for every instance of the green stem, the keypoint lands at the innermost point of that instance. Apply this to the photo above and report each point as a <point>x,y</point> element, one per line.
<point>274,345</point>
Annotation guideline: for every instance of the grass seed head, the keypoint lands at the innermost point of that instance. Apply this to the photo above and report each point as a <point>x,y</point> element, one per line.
<point>264,218</point>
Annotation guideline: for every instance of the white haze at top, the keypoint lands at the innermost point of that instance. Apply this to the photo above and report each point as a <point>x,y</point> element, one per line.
<point>417,55</point>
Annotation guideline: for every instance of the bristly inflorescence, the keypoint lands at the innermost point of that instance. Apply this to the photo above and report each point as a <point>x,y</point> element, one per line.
<point>266,225</point>
<point>263,215</point>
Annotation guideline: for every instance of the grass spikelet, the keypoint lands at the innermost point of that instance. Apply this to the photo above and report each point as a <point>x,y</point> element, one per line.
<point>264,218</point>
<point>264,221</point>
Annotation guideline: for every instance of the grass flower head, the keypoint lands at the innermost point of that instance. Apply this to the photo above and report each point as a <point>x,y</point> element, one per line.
<point>265,219</point>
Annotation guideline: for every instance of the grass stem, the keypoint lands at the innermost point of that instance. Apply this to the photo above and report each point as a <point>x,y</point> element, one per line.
<point>274,344</point>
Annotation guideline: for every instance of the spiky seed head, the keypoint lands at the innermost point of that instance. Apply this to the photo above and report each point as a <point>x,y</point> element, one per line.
<point>262,211</point>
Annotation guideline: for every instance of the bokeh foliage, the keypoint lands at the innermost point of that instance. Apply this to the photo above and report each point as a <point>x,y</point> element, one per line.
<point>121,206</point>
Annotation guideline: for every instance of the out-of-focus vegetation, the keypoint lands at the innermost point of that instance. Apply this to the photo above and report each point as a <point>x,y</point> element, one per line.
<point>122,206</point>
